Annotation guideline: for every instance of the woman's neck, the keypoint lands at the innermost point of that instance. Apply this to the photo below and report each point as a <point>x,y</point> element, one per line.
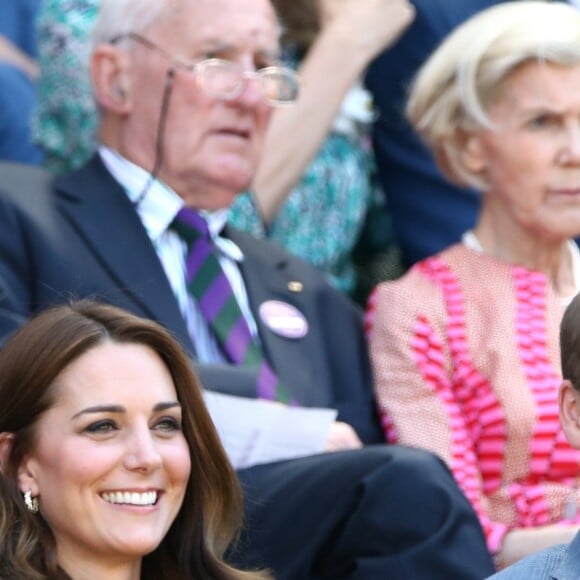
<point>81,569</point>
<point>510,243</point>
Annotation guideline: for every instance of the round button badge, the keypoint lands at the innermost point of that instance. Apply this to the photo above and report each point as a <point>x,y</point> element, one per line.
<point>283,319</point>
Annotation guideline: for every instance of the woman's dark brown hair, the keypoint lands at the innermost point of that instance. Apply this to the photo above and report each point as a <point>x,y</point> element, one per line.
<point>211,513</point>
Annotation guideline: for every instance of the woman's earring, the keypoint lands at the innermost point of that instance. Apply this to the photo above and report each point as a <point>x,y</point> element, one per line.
<point>31,502</point>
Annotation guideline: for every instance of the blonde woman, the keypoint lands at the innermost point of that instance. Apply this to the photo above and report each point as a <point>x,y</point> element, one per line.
<point>465,346</point>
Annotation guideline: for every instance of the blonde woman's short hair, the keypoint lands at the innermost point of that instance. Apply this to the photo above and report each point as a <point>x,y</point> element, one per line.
<point>455,87</point>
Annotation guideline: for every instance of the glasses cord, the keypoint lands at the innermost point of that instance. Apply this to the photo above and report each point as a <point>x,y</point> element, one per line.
<point>160,139</point>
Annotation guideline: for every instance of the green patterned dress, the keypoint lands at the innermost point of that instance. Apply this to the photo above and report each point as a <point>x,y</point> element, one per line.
<point>324,214</point>
<point>65,122</point>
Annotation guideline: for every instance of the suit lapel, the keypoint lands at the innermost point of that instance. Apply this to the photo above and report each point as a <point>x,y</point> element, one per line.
<point>266,277</point>
<point>97,206</point>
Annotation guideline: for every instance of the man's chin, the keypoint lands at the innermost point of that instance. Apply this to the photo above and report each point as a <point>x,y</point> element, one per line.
<point>224,193</point>
<point>234,184</point>
<point>234,172</point>
<point>213,191</point>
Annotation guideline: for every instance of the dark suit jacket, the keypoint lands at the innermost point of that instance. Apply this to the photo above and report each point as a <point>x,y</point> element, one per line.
<point>428,212</point>
<point>79,236</point>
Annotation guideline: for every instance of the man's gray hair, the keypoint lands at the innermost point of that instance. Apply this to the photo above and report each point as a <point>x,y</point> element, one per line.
<point>118,17</point>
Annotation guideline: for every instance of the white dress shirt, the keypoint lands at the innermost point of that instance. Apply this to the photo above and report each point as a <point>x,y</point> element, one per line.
<point>157,209</point>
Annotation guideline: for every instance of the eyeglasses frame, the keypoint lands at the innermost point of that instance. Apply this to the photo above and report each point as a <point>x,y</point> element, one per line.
<point>195,67</point>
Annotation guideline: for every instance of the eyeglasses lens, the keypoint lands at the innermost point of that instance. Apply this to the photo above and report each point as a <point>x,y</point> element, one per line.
<point>221,79</point>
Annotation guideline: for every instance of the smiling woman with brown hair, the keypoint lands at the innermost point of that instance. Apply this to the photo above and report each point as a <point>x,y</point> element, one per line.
<point>465,346</point>
<point>111,466</point>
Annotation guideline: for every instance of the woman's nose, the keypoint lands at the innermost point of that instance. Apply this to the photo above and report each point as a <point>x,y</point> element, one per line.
<point>570,152</point>
<point>142,452</point>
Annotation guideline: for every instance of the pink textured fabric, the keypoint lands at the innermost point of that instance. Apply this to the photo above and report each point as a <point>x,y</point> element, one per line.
<point>466,362</point>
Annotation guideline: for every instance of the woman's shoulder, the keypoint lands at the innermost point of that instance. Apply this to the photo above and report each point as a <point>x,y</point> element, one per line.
<point>430,283</point>
<point>426,268</point>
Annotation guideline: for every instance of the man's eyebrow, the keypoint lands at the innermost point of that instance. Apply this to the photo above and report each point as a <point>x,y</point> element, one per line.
<point>163,406</point>
<point>270,52</point>
<point>218,45</point>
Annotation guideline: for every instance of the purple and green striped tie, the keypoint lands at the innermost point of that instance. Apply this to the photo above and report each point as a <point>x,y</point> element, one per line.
<point>208,284</point>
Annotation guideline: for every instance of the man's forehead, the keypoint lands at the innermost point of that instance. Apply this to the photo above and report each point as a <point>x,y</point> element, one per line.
<point>221,11</point>
<point>212,23</point>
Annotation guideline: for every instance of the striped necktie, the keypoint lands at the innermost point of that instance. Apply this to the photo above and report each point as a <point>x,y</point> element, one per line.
<point>208,284</point>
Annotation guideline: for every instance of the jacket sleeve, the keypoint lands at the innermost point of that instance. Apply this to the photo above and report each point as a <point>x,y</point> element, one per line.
<point>14,292</point>
<point>414,384</point>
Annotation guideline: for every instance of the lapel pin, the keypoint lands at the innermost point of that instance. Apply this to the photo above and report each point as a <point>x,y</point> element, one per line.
<point>295,286</point>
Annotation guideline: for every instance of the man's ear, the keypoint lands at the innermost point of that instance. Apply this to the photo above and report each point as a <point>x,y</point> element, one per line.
<point>569,407</point>
<point>6,441</point>
<point>111,79</point>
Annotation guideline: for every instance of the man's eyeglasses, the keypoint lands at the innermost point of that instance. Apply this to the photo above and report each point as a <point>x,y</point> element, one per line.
<point>226,80</point>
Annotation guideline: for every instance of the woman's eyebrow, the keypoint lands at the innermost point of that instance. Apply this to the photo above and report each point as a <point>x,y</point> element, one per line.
<point>100,409</point>
<point>120,409</point>
<point>165,406</point>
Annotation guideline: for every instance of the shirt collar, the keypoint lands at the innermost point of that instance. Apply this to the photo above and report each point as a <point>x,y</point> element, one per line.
<point>568,568</point>
<point>159,206</point>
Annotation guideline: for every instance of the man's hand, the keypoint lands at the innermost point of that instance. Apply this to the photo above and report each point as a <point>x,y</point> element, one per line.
<point>342,436</point>
<point>375,23</point>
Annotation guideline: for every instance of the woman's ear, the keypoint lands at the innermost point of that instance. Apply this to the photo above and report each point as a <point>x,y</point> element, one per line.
<point>111,79</point>
<point>569,406</point>
<point>471,152</point>
<point>27,480</point>
<point>6,441</point>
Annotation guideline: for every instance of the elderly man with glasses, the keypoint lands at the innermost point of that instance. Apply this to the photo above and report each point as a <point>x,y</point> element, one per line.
<point>186,89</point>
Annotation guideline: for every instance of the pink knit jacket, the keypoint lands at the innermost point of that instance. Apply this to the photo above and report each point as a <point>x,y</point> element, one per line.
<point>465,355</point>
